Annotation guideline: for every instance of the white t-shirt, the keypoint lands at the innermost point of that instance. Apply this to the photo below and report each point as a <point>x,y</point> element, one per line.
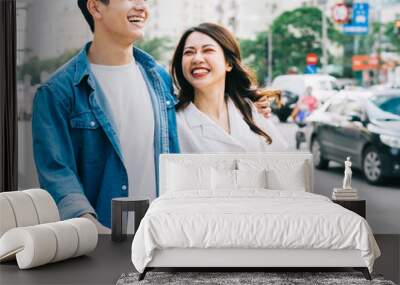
<point>130,103</point>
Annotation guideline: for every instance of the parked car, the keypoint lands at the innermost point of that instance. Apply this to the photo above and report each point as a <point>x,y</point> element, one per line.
<point>323,86</point>
<point>364,126</point>
<point>288,102</point>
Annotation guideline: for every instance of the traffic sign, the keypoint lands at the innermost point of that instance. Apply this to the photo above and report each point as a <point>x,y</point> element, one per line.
<point>312,59</point>
<point>310,69</point>
<point>364,62</point>
<point>340,13</point>
<point>359,19</point>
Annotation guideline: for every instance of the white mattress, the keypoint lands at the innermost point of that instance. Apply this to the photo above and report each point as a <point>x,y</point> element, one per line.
<point>252,218</point>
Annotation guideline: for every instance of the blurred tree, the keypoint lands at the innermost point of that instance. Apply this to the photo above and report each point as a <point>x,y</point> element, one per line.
<point>368,42</point>
<point>156,47</point>
<point>34,67</point>
<point>254,54</point>
<point>295,33</point>
<point>393,36</point>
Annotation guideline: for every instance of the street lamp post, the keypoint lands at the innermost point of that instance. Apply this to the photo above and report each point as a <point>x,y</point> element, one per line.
<point>270,55</point>
<point>379,48</point>
<point>273,7</point>
<point>324,59</point>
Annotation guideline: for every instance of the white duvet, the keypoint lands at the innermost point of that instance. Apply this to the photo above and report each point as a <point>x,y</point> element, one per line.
<point>252,218</point>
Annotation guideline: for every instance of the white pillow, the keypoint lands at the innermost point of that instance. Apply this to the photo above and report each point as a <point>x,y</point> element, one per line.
<point>279,180</point>
<point>282,174</point>
<point>251,178</point>
<point>188,177</point>
<point>223,179</point>
<point>227,179</point>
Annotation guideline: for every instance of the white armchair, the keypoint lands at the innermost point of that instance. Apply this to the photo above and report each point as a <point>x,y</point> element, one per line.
<point>31,233</point>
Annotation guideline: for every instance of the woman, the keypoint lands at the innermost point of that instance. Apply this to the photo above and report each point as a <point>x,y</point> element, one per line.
<point>215,111</point>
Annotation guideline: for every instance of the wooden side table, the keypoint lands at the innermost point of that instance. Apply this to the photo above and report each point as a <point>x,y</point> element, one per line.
<point>357,206</point>
<point>119,216</point>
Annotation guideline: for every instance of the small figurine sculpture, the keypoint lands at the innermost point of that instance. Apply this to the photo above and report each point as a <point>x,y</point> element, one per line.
<point>347,192</point>
<point>347,175</point>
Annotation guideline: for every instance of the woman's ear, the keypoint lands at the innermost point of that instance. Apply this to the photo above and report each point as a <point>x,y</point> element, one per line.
<point>94,8</point>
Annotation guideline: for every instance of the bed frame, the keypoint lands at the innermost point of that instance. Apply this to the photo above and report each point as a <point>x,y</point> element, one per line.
<point>242,259</point>
<point>246,259</point>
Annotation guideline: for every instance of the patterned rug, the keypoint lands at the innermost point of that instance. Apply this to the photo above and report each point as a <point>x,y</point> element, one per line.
<point>244,278</point>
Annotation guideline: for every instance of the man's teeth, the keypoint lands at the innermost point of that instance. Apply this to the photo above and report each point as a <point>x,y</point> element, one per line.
<point>135,19</point>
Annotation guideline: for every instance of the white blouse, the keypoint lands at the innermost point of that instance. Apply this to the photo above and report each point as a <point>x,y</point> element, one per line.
<point>198,133</point>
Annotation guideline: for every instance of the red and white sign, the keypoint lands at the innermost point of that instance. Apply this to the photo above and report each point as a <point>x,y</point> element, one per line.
<point>312,59</point>
<point>340,13</point>
<point>364,62</point>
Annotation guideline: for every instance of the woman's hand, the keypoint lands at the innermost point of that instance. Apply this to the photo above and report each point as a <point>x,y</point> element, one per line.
<point>263,107</point>
<point>102,230</point>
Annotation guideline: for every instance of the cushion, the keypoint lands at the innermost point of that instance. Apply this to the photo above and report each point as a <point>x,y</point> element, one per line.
<point>23,208</point>
<point>26,208</point>
<point>32,233</point>
<point>278,180</point>
<point>251,178</point>
<point>7,220</point>
<point>188,177</point>
<point>227,179</point>
<point>223,179</point>
<point>283,174</point>
<point>45,206</point>
<point>40,244</point>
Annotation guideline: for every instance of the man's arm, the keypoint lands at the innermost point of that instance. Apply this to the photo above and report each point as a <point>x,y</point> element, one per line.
<point>54,153</point>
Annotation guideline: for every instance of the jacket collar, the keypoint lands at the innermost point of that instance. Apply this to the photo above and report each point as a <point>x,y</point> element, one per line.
<point>196,118</point>
<point>82,65</point>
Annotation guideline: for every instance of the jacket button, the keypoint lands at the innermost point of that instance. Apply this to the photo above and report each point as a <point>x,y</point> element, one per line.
<point>93,123</point>
<point>168,102</point>
<point>124,187</point>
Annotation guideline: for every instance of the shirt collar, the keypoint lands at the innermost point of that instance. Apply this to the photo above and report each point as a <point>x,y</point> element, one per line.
<point>196,118</point>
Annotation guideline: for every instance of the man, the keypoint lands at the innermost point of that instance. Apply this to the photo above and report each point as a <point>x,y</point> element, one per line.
<point>101,121</point>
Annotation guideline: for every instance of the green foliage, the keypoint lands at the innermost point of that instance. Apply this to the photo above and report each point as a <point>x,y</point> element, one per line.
<point>392,36</point>
<point>295,33</point>
<point>380,32</point>
<point>368,41</point>
<point>34,67</point>
<point>156,47</point>
<point>254,54</point>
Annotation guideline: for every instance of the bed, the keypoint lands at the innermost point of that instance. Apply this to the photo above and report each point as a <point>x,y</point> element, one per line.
<point>246,211</point>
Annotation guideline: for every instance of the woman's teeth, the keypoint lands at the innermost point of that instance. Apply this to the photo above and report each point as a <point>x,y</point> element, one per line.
<point>200,71</point>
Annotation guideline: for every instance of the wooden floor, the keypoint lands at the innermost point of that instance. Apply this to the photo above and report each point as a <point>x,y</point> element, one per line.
<point>106,264</point>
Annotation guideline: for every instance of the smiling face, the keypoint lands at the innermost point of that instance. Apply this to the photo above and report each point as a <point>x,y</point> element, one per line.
<point>203,62</point>
<point>123,18</point>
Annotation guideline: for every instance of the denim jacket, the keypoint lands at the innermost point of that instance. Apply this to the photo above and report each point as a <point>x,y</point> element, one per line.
<point>76,148</point>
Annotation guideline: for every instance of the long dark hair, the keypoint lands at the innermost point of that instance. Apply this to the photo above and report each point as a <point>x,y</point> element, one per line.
<point>240,82</point>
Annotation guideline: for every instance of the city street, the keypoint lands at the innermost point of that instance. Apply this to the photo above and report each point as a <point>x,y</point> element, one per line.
<point>383,202</point>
